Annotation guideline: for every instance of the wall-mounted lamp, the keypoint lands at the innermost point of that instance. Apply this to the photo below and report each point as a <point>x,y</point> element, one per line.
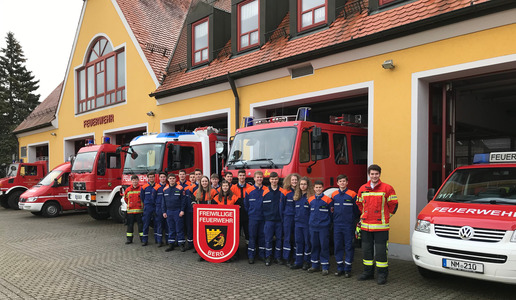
<point>150,114</point>
<point>53,134</point>
<point>388,64</point>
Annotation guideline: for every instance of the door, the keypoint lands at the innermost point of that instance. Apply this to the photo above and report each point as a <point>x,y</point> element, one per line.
<point>441,135</point>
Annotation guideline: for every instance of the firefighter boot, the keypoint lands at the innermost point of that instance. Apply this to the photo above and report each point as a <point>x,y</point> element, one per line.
<point>268,261</point>
<point>170,247</point>
<point>129,240</point>
<point>382,275</point>
<point>367,274</point>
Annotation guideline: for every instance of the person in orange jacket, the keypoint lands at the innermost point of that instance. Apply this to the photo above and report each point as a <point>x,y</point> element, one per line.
<point>377,202</point>
<point>225,195</point>
<point>134,208</point>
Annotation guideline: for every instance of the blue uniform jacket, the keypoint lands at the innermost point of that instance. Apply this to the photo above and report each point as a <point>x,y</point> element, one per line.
<point>302,210</point>
<point>148,194</point>
<point>173,198</point>
<point>320,211</point>
<point>271,205</point>
<point>190,198</point>
<point>159,198</point>
<point>287,203</point>
<point>345,209</point>
<point>253,201</point>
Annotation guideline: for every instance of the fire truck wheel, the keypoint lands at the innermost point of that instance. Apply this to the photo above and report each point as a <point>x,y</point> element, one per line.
<point>115,210</point>
<point>51,209</point>
<point>427,273</point>
<point>3,201</point>
<point>97,215</point>
<point>13,199</point>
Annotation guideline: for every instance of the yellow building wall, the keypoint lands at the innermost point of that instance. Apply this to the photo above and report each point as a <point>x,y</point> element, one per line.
<point>392,99</point>
<point>392,95</point>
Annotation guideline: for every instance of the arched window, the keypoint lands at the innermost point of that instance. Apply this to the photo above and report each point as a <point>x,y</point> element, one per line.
<point>101,81</point>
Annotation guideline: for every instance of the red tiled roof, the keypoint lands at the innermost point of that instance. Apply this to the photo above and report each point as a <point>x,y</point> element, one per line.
<point>156,25</point>
<point>345,29</point>
<point>43,114</point>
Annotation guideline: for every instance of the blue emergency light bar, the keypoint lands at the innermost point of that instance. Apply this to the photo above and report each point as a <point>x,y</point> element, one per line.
<point>303,114</point>
<point>173,135</point>
<point>495,157</point>
<point>107,140</point>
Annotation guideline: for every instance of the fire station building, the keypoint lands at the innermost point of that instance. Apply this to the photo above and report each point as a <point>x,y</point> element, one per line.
<point>435,78</point>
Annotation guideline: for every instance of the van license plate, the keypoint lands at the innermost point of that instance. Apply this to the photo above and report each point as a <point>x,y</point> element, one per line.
<point>78,197</point>
<point>463,266</point>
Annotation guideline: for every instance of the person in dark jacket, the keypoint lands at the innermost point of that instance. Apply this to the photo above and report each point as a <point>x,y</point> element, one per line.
<point>345,216</point>
<point>173,207</point>
<point>253,205</point>
<point>148,196</point>
<point>272,216</point>
<point>321,207</point>
<point>301,219</point>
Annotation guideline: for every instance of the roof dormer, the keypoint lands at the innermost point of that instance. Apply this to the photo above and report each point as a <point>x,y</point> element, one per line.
<point>252,20</point>
<point>307,15</point>
<point>208,29</point>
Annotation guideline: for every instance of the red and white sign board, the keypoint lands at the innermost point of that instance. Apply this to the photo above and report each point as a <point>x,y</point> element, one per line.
<point>216,231</point>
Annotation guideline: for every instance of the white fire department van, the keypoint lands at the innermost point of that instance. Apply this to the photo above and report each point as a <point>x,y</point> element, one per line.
<point>468,229</point>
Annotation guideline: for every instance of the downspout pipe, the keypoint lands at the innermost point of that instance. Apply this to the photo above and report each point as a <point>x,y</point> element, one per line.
<point>237,100</point>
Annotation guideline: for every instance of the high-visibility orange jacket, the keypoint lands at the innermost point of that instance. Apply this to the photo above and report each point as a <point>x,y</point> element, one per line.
<point>376,205</point>
<point>133,200</point>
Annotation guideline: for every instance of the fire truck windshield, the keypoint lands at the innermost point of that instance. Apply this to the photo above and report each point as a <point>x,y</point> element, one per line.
<point>149,158</point>
<point>84,162</point>
<point>13,170</point>
<point>268,148</point>
<point>480,185</point>
<point>49,179</point>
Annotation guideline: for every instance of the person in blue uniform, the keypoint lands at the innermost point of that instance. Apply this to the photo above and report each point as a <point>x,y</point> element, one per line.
<point>253,205</point>
<point>272,216</point>
<point>173,206</point>
<point>148,196</point>
<point>290,185</point>
<point>345,215</point>
<point>160,224</point>
<point>321,207</point>
<point>301,219</point>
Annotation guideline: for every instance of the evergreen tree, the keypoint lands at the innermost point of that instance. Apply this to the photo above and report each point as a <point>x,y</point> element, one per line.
<point>17,97</point>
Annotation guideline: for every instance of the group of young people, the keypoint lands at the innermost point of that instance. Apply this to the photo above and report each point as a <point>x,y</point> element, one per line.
<point>288,225</point>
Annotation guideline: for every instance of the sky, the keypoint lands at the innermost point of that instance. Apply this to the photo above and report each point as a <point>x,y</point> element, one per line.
<point>45,30</point>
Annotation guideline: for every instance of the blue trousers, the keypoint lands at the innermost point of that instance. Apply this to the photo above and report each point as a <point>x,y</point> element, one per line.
<point>256,238</point>
<point>148,213</point>
<point>189,227</point>
<point>320,247</point>
<point>303,245</point>
<point>160,227</point>
<point>271,229</point>
<point>175,227</point>
<point>343,239</point>
<point>288,233</point>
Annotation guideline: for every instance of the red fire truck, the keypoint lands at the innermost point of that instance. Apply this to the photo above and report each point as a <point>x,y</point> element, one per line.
<point>293,144</point>
<point>96,180</point>
<point>20,177</point>
<point>174,151</point>
<point>49,196</point>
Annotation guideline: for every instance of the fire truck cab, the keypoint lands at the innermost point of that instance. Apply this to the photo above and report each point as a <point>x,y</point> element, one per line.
<point>96,180</point>
<point>174,151</point>
<point>469,227</point>
<point>20,177</point>
<point>292,144</point>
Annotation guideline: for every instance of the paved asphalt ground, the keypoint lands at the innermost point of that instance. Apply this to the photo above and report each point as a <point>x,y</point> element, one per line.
<point>75,257</point>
